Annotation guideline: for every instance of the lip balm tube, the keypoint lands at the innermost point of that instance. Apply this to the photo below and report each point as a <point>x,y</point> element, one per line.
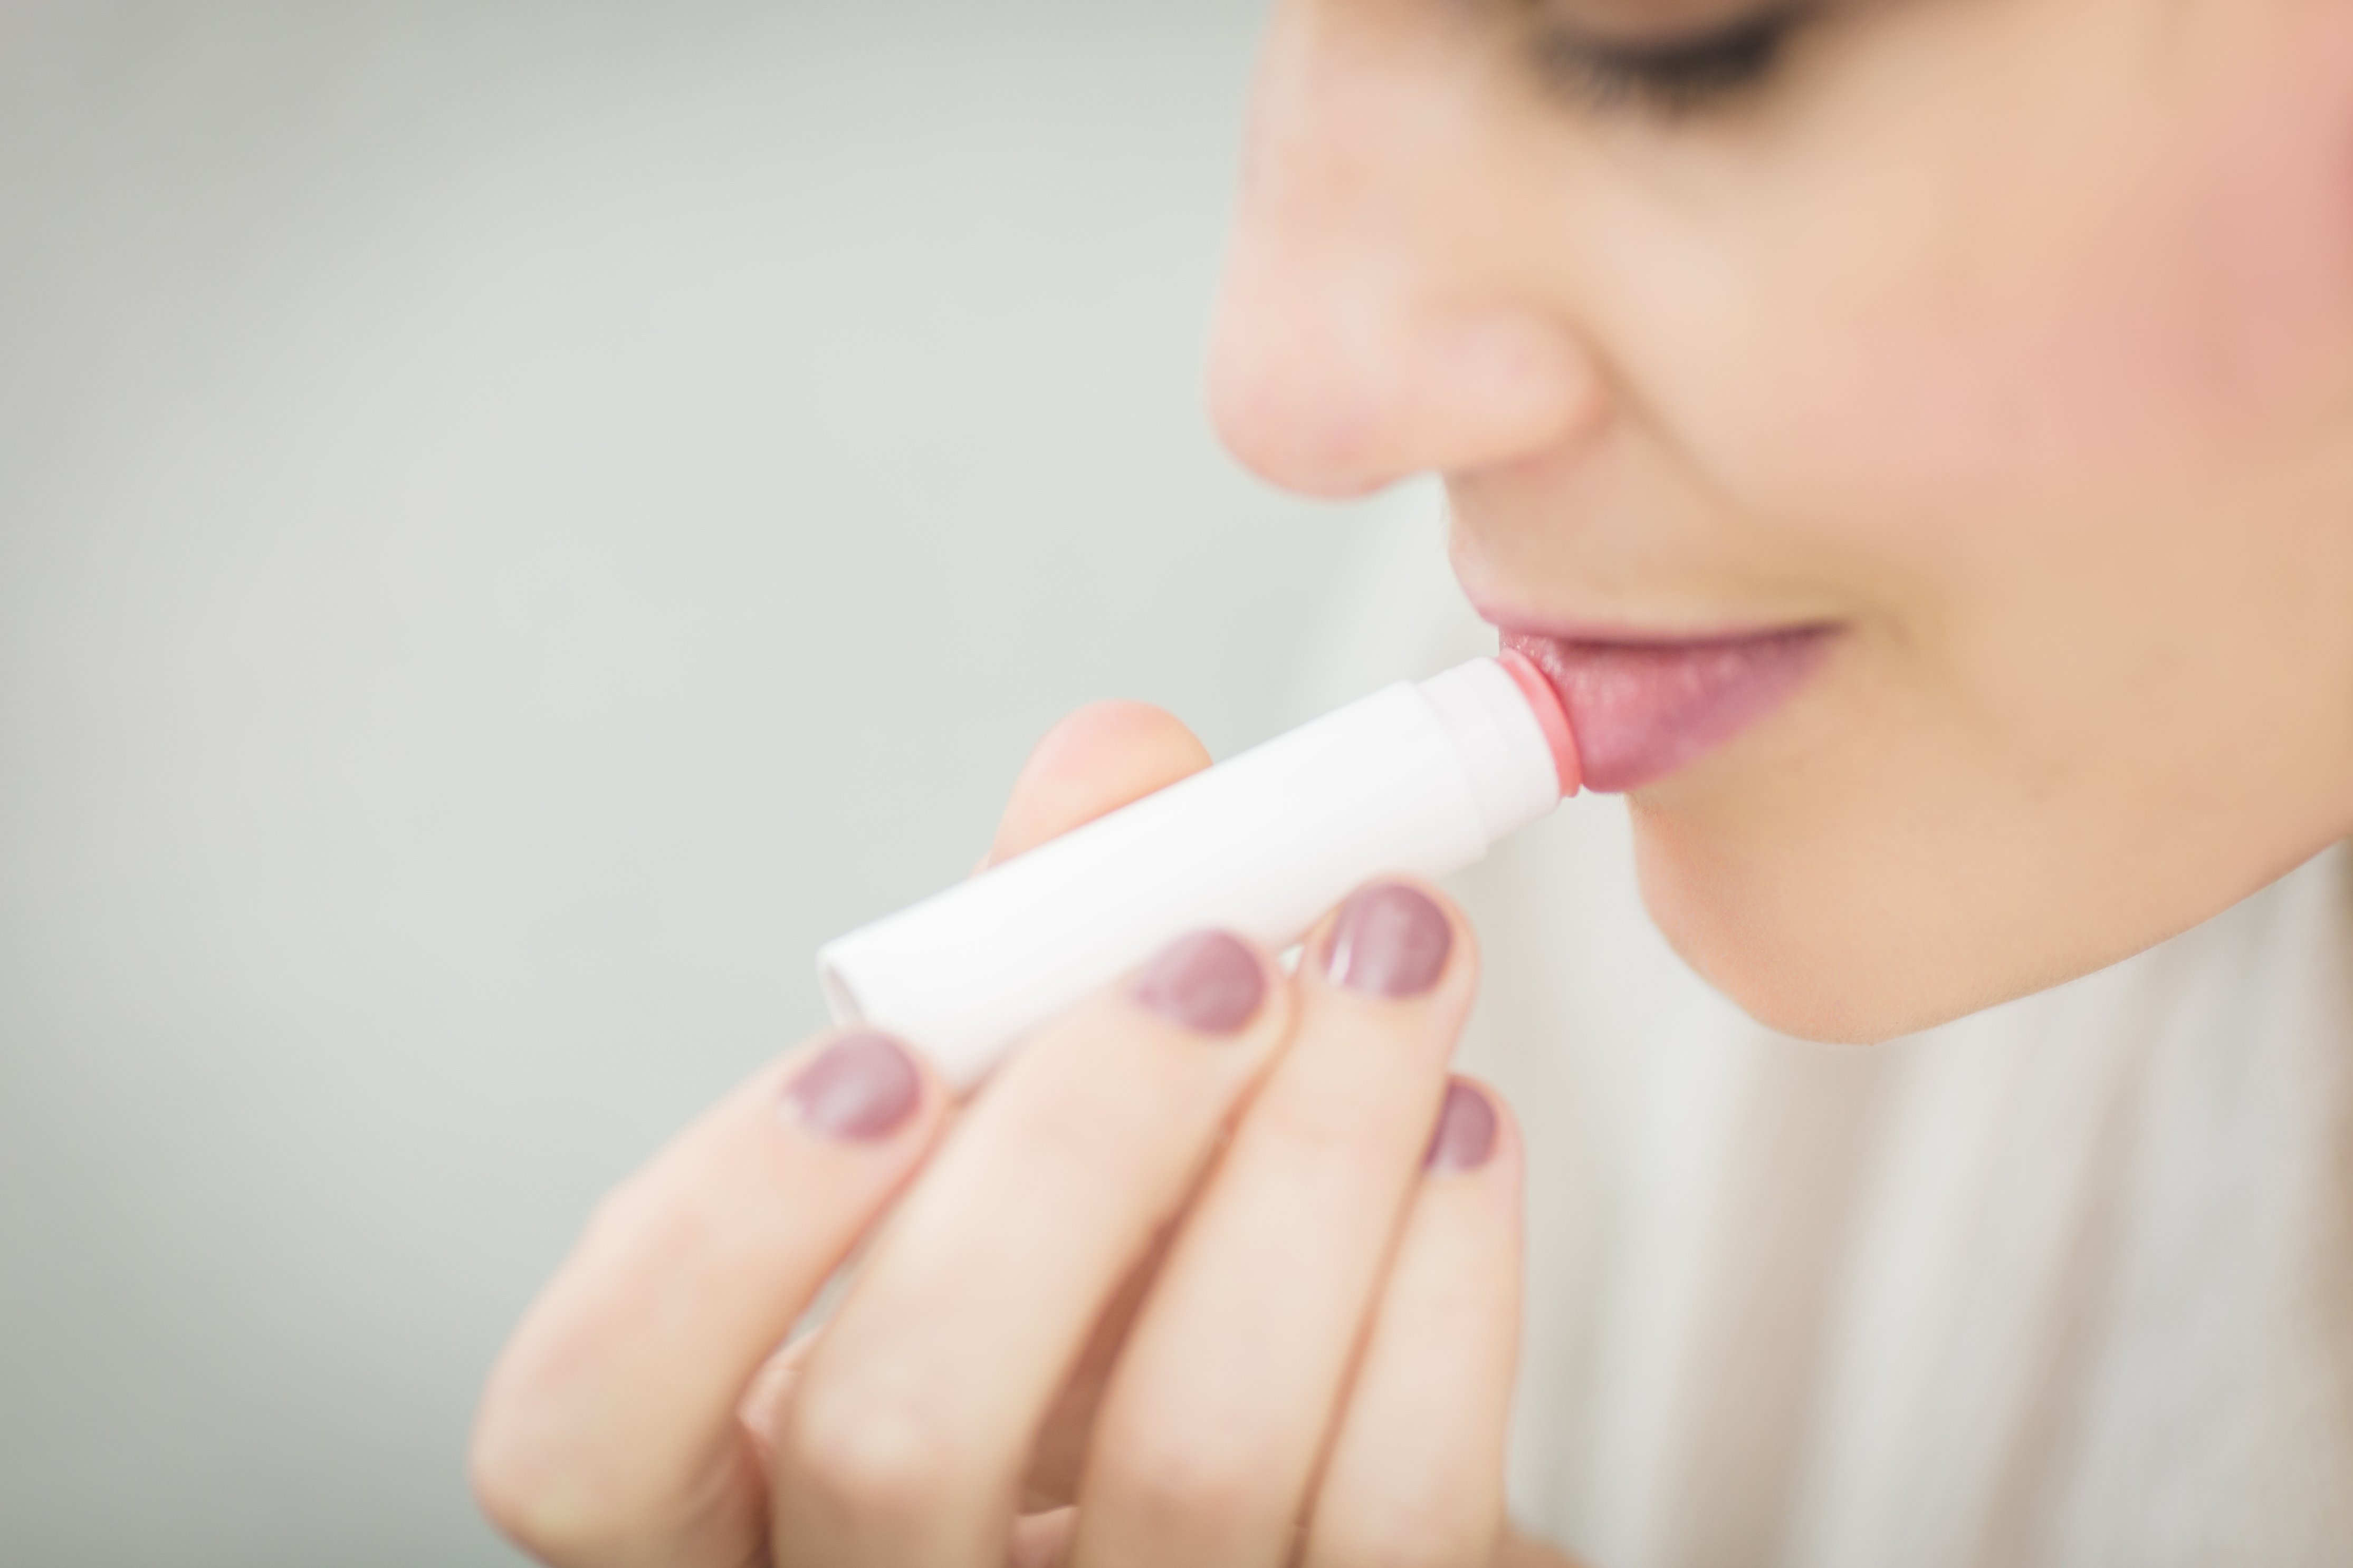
<point>1417,778</point>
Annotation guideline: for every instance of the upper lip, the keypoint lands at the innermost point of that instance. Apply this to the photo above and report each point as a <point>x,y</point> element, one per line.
<point>1616,633</point>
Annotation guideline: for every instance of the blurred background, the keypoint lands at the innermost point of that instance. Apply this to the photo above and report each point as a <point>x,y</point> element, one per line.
<point>517,521</point>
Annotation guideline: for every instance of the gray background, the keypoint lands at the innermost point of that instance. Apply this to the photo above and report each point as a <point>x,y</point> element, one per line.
<point>516,522</point>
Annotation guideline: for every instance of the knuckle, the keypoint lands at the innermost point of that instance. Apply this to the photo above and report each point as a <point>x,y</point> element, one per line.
<point>865,1460</point>
<point>1095,1130</point>
<point>1413,1528</point>
<point>525,1487</point>
<point>1188,1487</point>
<point>1429,1549</point>
<point>546,1471</point>
<point>1343,1126</point>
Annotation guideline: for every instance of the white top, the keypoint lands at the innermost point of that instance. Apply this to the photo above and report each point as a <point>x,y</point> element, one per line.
<point>2068,1283</point>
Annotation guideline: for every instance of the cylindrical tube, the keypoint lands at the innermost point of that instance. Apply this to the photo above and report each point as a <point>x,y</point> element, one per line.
<point>1417,779</point>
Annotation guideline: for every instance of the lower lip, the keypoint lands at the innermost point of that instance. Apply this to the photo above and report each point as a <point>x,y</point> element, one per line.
<point>1643,711</point>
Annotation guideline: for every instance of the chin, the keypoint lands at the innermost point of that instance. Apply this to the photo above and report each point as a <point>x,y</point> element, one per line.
<point>1788,996</point>
<point>1797,959</point>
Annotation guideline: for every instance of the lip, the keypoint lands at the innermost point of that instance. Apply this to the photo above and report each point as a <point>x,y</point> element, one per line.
<point>1644,708</point>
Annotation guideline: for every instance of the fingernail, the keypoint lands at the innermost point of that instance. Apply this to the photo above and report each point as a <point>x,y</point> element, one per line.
<point>1390,941</point>
<point>863,1089</point>
<point>1466,1135</point>
<point>1208,981</point>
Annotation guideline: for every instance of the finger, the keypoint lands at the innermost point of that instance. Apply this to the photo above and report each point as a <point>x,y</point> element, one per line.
<point>1042,1540</point>
<point>1091,763</point>
<point>1097,760</point>
<point>609,1431</point>
<point>1210,1434</point>
<point>1415,1477</point>
<point>907,1436</point>
<point>1058,1458</point>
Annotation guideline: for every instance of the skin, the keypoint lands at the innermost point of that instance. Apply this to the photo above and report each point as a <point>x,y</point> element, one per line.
<point>1363,1311</point>
<point>2015,337</point>
<point>2011,338</point>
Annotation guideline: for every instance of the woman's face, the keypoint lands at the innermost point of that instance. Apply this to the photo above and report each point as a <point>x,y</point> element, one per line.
<point>2011,339</point>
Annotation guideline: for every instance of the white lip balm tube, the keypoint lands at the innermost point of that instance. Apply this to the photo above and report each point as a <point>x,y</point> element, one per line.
<point>1418,778</point>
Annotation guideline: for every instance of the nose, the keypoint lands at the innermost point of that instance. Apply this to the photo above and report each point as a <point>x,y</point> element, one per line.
<point>1376,322</point>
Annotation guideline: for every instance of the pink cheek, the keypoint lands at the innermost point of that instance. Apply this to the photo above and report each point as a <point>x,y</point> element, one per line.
<point>2173,325</point>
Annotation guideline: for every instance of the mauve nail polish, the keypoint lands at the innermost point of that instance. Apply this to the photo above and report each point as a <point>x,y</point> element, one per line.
<point>862,1088</point>
<point>1390,941</point>
<point>1466,1135</point>
<point>1208,981</point>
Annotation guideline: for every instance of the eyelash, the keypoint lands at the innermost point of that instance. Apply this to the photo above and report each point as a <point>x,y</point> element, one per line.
<point>1670,80</point>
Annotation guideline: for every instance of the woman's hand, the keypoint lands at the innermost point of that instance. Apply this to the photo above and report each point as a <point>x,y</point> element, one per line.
<point>1224,1259</point>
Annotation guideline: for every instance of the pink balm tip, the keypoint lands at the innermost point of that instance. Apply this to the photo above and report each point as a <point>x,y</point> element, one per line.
<point>1551,718</point>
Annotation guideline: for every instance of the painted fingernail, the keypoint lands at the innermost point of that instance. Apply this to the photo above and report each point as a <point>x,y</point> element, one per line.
<point>1208,981</point>
<point>862,1089</point>
<point>1466,1135</point>
<point>1390,941</point>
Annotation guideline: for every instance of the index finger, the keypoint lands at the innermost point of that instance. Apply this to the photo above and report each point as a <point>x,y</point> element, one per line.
<point>609,1431</point>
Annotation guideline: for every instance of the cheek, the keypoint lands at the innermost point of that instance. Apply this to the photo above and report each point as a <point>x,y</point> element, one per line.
<point>2181,332</point>
<point>2172,308</point>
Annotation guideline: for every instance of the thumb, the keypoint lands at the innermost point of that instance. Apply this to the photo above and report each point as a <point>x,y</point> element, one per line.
<point>1089,764</point>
